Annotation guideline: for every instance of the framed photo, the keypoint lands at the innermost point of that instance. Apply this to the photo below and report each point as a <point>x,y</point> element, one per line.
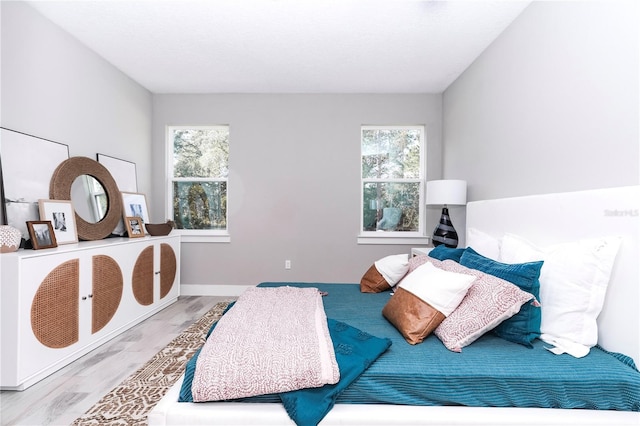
<point>60,213</point>
<point>135,226</point>
<point>41,233</point>
<point>135,204</point>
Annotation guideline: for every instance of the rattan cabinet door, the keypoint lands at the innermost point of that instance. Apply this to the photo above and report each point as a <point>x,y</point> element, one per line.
<point>155,272</point>
<point>107,286</point>
<point>55,307</point>
<point>168,269</point>
<point>142,277</point>
<point>47,313</point>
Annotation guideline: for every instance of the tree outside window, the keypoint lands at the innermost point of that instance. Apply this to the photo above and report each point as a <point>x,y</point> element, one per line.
<point>392,180</point>
<point>198,175</point>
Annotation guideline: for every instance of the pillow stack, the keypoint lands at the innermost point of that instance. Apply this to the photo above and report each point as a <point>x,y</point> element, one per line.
<point>424,298</point>
<point>495,285</point>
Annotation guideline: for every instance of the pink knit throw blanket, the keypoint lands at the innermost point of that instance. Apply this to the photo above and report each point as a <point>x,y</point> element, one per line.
<point>272,340</point>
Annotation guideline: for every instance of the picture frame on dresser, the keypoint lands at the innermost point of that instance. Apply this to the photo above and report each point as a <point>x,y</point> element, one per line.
<point>41,234</point>
<point>134,204</point>
<point>63,218</point>
<point>135,226</point>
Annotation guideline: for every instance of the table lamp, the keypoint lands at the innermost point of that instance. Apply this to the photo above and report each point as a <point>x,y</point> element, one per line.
<point>446,192</point>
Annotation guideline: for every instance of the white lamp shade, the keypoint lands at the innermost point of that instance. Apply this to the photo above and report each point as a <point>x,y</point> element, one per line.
<point>447,192</point>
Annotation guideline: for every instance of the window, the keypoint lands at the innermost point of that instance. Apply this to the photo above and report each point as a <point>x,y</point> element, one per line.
<point>392,186</point>
<point>198,170</point>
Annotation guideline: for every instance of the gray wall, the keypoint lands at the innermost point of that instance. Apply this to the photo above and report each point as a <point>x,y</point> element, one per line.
<point>551,105</point>
<point>294,182</point>
<point>55,88</point>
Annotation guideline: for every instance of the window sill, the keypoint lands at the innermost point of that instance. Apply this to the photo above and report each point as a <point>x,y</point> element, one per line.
<point>195,237</point>
<point>377,239</point>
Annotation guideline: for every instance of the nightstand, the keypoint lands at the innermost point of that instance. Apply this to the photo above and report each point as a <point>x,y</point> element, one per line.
<point>416,251</point>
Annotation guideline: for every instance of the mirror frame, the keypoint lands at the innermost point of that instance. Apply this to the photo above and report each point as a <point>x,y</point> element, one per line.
<point>60,189</point>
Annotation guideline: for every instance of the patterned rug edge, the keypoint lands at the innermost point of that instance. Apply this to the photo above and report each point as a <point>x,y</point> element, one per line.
<point>130,401</point>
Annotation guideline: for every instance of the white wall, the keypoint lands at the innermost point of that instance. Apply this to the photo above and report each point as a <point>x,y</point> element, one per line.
<point>551,105</point>
<point>294,182</point>
<point>55,88</point>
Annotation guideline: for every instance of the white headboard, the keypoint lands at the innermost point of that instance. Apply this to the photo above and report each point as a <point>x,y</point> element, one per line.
<point>555,218</point>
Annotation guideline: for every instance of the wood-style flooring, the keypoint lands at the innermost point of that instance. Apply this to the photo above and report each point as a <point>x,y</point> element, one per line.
<point>66,394</point>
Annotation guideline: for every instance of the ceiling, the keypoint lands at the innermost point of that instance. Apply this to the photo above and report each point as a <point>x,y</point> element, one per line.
<point>286,46</point>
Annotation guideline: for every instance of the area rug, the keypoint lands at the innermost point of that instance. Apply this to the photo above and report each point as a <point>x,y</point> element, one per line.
<point>130,401</point>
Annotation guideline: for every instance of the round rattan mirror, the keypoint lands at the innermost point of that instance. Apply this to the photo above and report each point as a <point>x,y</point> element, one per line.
<point>60,189</point>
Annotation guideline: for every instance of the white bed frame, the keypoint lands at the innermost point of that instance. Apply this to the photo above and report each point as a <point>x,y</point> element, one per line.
<point>543,220</point>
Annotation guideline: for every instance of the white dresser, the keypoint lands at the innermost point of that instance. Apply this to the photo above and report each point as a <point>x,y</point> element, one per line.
<point>58,304</point>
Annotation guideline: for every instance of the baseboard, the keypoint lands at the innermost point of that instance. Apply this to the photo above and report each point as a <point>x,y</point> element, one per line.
<point>212,290</point>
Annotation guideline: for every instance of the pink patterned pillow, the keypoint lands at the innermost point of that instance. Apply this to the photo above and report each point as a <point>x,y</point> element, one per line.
<point>489,301</point>
<point>417,261</point>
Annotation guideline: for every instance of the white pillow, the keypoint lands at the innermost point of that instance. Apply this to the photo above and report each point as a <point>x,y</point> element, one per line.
<point>442,290</point>
<point>573,284</point>
<point>393,267</point>
<point>483,243</point>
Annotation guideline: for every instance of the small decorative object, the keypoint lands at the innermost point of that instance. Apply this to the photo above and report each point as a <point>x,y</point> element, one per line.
<point>41,233</point>
<point>10,238</point>
<point>134,226</point>
<point>63,217</point>
<point>157,229</point>
<point>446,192</point>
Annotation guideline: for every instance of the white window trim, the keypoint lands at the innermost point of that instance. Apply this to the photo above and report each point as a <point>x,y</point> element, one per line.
<point>192,235</point>
<point>202,236</point>
<point>395,239</point>
<point>409,238</point>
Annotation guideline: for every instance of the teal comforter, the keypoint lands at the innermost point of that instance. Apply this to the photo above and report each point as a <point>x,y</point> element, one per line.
<point>491,372</point>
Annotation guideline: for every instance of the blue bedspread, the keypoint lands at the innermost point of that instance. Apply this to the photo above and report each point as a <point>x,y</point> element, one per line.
<point>491,372</point>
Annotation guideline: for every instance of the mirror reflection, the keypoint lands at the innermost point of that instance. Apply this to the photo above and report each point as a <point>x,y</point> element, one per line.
<point>89,198</point>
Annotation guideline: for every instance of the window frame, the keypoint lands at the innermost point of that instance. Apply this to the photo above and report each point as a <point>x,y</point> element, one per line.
<point>418,237</point>
<point>193,235</point>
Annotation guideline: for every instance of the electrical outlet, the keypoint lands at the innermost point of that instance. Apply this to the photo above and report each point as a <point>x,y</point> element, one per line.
<point>287,264</point>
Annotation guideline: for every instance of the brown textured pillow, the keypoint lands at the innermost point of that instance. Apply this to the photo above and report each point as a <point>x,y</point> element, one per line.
<point>424,298</point>
<point>414,318</point>
<point>373,282</point>
<point>384,273</point>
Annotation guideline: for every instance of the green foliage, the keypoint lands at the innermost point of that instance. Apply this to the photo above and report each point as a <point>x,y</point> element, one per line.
<point>391,153</point>
<point>379,195</point>
<point>201,153</point>
<point>200,205</point>
<point>389,157</point>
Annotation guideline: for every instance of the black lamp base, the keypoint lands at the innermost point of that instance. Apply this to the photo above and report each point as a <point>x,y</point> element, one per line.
<point>445,232</point>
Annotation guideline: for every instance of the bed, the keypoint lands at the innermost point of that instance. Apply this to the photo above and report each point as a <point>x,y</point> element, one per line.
<point>544,220</point>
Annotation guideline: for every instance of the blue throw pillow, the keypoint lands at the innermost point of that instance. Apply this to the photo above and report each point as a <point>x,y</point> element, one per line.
<point>443,252</point>
<point>524,327</point>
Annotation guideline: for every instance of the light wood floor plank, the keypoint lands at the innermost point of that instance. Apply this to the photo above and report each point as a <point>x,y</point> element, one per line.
<point>66,394</point>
